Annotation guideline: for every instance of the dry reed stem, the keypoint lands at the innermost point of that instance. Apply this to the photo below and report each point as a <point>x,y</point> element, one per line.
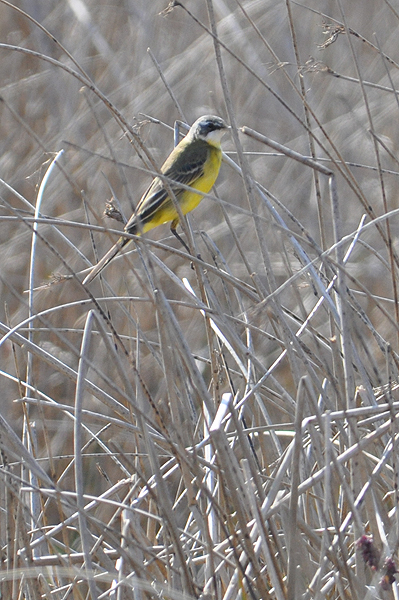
<point>227,431</point>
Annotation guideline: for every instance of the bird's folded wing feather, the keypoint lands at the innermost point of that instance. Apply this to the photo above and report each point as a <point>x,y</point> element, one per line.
<point>185,167</point>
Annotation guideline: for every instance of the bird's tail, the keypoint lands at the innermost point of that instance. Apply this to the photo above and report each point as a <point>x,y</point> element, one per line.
<point>105,260</point>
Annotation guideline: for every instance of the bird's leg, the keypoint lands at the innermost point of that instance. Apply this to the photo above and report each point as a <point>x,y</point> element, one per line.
<point>173,227</point>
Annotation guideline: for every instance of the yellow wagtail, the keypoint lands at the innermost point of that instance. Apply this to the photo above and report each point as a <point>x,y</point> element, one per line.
<point>195,162</point>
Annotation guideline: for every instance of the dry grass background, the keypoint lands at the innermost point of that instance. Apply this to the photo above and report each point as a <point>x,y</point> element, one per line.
<point>224,431</point>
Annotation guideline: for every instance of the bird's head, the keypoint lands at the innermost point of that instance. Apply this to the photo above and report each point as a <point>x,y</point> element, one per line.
<point>208,128</point>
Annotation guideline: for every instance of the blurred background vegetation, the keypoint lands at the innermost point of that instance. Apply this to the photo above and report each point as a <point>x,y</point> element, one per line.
<point>231,513</point>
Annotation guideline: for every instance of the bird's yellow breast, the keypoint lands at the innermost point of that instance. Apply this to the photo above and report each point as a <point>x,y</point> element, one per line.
<point>189,200</point>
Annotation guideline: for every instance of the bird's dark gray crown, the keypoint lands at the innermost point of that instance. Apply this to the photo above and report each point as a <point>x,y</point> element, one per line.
<point>209,123</point>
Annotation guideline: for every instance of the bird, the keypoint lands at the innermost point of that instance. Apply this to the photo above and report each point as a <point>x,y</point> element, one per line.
<point>194,162</point>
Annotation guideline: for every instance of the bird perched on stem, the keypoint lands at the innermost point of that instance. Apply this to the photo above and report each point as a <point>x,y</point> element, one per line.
<point>194,162</point>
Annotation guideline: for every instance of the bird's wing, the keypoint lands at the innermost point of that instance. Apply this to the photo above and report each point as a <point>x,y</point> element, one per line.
<point>184,165</point>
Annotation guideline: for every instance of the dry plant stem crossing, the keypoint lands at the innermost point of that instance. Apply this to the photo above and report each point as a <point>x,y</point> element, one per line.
<point>215,454</point>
